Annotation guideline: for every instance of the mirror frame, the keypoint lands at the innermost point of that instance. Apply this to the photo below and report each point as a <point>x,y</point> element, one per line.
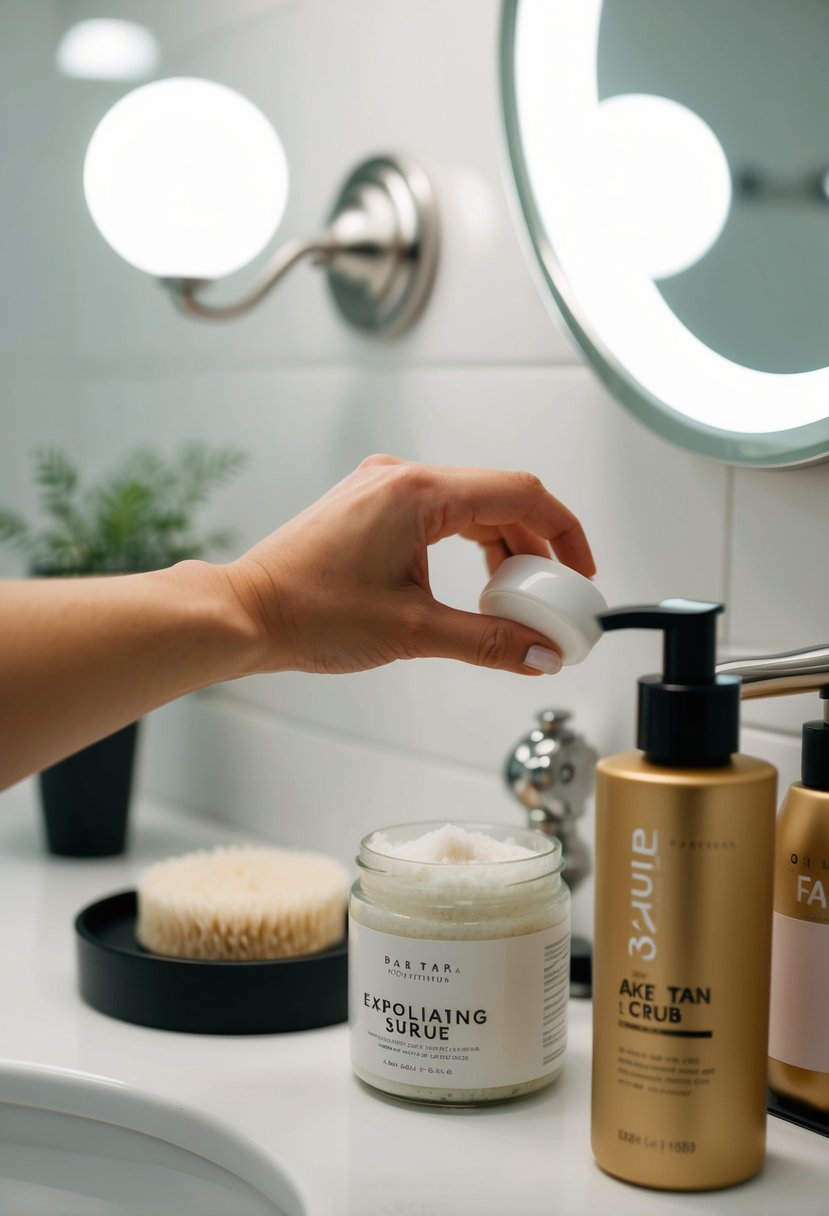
<point>771,449</point>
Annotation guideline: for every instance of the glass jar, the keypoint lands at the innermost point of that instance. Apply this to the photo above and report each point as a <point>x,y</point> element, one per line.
<point>459,970</point>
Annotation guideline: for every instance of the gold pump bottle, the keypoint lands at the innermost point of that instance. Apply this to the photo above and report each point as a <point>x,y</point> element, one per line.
<point>799,1030</point>
<point>684,865</point>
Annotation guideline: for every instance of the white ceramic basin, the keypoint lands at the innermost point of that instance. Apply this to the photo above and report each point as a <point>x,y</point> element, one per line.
<point>77,1145</point>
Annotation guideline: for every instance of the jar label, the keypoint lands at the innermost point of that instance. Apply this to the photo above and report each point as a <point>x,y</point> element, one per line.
<point>800,993</point>
<point>465,1015</point>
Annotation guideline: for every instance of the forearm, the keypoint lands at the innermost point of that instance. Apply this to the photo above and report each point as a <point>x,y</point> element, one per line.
<point>80,658</point>
<point>343,587</point>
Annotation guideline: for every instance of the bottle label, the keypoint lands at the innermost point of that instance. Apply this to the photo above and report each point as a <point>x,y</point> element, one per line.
<point>464,1015</point>
<point>799,1023</point>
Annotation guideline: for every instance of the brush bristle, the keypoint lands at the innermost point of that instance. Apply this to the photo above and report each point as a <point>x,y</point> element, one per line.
<point>242,903</point>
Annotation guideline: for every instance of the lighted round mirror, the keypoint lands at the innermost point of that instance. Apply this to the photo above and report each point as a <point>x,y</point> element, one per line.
<point>672,163</point>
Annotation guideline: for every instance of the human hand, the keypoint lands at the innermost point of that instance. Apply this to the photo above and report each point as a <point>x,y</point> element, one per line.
<point>344,586</point>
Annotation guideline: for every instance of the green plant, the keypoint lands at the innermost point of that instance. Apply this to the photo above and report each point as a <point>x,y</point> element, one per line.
<point>138,518</point>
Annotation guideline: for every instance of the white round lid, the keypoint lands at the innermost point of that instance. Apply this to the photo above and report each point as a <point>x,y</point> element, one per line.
<point>548,596</point>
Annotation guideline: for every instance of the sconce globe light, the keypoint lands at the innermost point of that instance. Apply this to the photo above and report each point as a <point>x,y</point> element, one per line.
<point>661,186</point>
<point>186,179</point>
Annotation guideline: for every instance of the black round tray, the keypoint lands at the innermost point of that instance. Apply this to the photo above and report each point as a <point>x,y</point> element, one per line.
<point>118,977</point>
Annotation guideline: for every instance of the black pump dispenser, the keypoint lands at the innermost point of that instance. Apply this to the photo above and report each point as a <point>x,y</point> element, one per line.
<point>688,716</point>
<point>814,766</point>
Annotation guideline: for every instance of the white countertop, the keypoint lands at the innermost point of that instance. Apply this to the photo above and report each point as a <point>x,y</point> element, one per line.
<point>346,1150</point>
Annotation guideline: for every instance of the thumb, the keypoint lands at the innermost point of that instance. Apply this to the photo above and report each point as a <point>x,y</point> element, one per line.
<point>487,641</point>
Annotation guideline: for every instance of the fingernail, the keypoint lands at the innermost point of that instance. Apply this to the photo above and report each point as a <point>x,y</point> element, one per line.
<point>542,659</point>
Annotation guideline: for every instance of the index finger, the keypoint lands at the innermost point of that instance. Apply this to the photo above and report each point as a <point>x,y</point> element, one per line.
<point>465,498</point>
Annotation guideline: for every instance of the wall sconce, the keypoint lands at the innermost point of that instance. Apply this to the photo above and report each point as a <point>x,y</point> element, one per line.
<point>187,180</point>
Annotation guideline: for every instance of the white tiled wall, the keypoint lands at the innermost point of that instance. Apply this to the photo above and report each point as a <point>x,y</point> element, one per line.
<point>37,385</point>
<point>485,378</point>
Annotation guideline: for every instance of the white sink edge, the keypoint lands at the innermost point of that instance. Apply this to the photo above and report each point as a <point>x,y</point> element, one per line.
<point>70,1092</point>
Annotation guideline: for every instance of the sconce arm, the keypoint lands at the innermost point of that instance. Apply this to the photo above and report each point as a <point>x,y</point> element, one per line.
<point>379,250</point>
<point>776,675</point>
<point>187,293</point>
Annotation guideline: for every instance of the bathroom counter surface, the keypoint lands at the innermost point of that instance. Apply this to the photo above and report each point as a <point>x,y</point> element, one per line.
<point>347,1151</point>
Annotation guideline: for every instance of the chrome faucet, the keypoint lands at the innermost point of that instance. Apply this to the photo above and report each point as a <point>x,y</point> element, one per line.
<point>777,675</point>
<point>550,771</point>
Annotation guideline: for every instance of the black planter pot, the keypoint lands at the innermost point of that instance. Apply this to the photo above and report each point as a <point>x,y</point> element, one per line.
<point>86,797</point>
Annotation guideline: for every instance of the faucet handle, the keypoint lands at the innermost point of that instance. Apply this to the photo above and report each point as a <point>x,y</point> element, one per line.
<point>550,769</point>
<point>550,772</point>
<point>551,720</point>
